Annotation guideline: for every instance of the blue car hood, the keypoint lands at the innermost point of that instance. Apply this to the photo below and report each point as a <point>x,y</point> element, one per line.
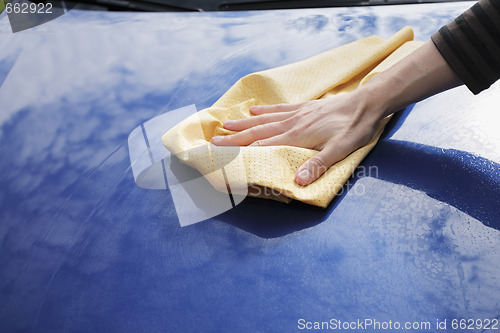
<point>83,248</point>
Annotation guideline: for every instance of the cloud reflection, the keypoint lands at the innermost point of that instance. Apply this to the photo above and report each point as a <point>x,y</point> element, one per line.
<point>75,228</point>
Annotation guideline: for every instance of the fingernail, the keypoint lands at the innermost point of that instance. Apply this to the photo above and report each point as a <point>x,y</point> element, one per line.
<point>228,123</point>
<point>304,176</point>
<point>254,108</point>
<point>216,139</point>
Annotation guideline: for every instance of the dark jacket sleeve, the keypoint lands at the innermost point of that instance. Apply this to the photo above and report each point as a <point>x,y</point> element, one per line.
<point>471,45</point>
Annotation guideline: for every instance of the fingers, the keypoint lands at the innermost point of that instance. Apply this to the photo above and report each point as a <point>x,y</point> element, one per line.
<point>243,124</point>
<point>249,136</point>
<point>317,165</point>
<point>263,109</point>
<point>269,125</point>
<point>278,140</point>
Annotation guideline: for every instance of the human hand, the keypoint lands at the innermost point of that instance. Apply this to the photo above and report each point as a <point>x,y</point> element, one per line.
<point>339,125</point>
<point>335,126</point>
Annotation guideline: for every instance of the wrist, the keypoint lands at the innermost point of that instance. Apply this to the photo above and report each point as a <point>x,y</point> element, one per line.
<point>421,74</point>
<point>378,98</point>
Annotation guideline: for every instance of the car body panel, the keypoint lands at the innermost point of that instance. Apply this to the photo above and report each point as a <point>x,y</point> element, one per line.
<point>413,237</point>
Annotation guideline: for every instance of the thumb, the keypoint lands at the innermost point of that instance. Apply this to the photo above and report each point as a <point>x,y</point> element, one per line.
<point>314,167</point>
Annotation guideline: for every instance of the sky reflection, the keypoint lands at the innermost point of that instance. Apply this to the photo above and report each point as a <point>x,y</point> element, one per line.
<point>83,246</point>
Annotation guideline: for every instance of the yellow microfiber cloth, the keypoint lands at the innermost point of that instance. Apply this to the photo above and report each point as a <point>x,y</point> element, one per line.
<point>269,171</point>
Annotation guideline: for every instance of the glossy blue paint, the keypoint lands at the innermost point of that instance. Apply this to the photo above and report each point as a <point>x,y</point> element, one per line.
<point>414,237</point>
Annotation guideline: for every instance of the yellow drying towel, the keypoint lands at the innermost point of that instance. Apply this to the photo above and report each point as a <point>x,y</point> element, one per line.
<point>269,171</point>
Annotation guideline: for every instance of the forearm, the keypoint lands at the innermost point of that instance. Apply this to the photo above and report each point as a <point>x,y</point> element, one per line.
<point>418,76</point>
